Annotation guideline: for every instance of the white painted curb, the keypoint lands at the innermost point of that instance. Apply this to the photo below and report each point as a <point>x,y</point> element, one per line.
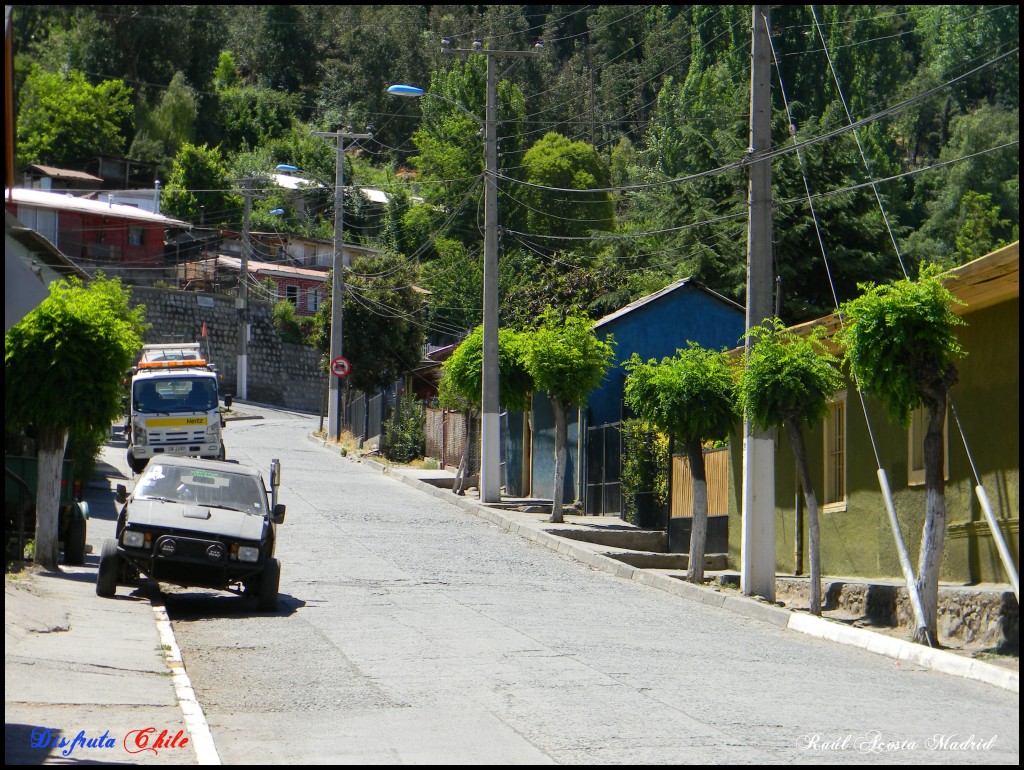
<point>195,719</point>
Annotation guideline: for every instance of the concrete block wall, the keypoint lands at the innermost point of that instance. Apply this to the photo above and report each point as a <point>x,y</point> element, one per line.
<point>279,373</point>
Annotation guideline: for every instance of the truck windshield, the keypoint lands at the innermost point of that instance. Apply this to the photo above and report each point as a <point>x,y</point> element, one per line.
<point>180,394</point>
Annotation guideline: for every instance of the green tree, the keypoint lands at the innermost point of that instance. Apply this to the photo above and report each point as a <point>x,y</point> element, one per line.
<point>64,121</point>
<point>566,360</point>
<point>170,124</point>
<point>689,397</point>
<point>980,223</point>
<point>901,345</point>
<point>461,385</point>
<point>198,189</point>
<point>786,383</point>
<point>381,321</point>
<point>63,365</point>
<point>557,162</point>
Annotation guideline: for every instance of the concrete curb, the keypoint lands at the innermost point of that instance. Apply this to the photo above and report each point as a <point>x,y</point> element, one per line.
<point>195,719</point>
<point>898,649</point>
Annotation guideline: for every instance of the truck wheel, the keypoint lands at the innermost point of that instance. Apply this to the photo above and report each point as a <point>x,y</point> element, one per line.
<point>110,565</point>
<point>74,545</point>
<point>137,466</point>
<point>270,582</point>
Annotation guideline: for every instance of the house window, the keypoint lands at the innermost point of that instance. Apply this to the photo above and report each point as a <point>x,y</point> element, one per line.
<point>134,236</point>
<point>291,293</point>
<point>314,298</point>
<point>835,455</point>
<point>915,446</point>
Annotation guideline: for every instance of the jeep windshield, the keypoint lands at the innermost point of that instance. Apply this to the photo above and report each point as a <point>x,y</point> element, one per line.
<point>177,394</point>
<point>199,486</point>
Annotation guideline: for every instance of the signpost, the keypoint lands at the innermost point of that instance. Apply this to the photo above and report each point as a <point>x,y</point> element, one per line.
<point>340,367</point>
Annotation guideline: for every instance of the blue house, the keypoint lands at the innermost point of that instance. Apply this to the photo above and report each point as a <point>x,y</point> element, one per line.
<point>654,326</point>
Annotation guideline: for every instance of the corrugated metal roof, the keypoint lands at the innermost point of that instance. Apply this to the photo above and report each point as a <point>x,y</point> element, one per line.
<point>638,303</point>
<point>64,173</point>
<point>63,202</point>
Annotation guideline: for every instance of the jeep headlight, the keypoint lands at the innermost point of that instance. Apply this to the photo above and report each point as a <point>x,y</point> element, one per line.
<point>248,553</point>
<point>134,539</point>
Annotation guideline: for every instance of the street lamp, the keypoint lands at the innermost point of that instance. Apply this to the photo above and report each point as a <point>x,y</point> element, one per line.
<point>490,426</point>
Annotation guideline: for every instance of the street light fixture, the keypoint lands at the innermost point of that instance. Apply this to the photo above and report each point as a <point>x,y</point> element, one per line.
<point>490,426</point>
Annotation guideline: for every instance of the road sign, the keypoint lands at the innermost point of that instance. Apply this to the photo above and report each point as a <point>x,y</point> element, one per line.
<point>340,367</point>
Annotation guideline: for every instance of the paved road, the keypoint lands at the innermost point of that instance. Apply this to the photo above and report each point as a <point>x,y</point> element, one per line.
<point>413,632</point>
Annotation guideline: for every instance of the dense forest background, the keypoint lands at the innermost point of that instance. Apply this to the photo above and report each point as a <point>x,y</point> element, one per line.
<point>646,106</point>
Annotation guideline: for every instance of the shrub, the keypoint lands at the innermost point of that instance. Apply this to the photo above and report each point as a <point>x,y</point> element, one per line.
<point>645,465</point>
<point>403,436</point>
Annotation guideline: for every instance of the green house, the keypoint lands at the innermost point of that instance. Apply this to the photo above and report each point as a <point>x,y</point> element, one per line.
<point>857,540</point>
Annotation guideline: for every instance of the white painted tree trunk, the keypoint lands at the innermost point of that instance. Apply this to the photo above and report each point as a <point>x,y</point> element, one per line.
<point>50,459</point>
<point>699,521</point>
<point>934,534</point>
<point>561,410</point>
<point>796,440</point>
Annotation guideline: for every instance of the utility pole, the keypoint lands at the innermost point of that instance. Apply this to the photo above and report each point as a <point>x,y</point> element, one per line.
<point>339,264</point>
<point>242,301</point>
<point>490,424</point>
<point>757,576</point>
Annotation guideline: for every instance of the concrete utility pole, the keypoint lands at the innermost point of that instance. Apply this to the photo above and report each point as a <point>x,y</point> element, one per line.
<point>242,301</point>
<point>757,575</point>
<point>338,272</point>
<point>490,424</point>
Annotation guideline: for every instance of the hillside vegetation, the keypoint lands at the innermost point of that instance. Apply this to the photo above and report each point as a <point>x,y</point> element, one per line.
<point>643,109</point>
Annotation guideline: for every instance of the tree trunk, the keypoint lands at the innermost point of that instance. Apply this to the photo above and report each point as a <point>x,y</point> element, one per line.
<point>51,443</point>
<point>561,410</point>
<point>796,440</point>
<point>934,534</point>
<point>699,528</point>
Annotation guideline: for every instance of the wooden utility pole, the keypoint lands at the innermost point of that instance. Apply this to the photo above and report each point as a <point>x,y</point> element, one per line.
<point>757,576</point>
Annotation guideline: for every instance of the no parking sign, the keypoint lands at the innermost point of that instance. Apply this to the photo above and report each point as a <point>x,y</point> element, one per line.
<point>340,367</point>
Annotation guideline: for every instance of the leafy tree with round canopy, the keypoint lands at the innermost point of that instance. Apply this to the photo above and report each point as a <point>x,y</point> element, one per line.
<point>901,345</point>
<point>63,365</point>
<point>198,189</point>
<point>63,120</point>
<point>690,397</point>
<point>461,385</point>
<point>555,161</point>
<point>786,382</point>
<point>567,361</point>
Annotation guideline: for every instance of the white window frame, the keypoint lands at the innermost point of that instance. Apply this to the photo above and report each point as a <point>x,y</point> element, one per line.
<point>915,446</point>
<point>835,449</point>
<point>314,298</point>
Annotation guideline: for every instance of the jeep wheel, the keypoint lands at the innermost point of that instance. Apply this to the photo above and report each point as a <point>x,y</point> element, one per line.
<point>74,545</point>
<point>270,582</point>
<point>110,565</point>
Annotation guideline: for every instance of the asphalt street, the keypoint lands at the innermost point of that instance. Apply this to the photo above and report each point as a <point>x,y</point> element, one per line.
<point>413,632</point>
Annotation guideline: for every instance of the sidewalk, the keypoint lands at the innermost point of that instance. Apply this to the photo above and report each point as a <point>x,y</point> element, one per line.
<point>534,526</point>
<point>89,679</point>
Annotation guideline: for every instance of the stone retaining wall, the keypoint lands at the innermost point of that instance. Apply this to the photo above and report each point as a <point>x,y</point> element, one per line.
<point>968,614</point>
<point>279,373</point>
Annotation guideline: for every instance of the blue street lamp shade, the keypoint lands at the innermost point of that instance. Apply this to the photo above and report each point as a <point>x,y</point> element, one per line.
<point>405,90</point>
<point>277,212</point>
<point>286,167</point>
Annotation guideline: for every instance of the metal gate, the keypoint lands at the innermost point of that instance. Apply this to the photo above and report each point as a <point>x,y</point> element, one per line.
<point>603,496</point>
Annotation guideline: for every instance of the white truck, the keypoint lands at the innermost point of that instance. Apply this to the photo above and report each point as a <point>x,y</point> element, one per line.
<point>174,406</point>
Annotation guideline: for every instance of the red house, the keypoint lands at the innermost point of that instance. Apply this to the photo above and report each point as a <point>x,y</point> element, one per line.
<point>94,234</point>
